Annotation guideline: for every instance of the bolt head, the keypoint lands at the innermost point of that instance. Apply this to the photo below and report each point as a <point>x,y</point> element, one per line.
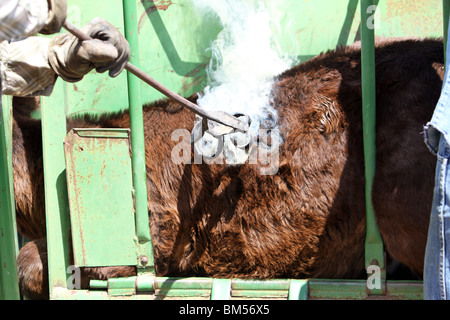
<point>144,260</point>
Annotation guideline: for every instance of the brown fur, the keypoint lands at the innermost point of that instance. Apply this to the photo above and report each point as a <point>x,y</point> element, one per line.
<point>308,219</point>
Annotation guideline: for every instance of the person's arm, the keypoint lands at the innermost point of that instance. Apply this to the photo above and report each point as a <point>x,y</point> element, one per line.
<point>31,66</point>
<point>25,69</point>
<point>24,63</point>
<point>20,18</point>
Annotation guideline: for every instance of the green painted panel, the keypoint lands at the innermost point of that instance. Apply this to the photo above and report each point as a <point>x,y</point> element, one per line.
<point>100,196</point>
<point>310,27</point>
<point>96,92</point>
<point>174,39</point>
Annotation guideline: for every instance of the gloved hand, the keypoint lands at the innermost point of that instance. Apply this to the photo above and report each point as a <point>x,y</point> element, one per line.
<point>72,58</point>
<point>57,12</point>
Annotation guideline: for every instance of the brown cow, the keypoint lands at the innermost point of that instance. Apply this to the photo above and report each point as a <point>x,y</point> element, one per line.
<point>305,221</point>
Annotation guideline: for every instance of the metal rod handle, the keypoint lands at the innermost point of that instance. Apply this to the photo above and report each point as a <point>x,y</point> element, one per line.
<point>224,119</point>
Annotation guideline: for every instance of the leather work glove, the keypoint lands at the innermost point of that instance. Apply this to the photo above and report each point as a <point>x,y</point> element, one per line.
<point>57,12</point>
<point>72,58</point>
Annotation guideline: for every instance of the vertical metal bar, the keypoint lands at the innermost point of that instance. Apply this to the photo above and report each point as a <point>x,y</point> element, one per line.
<point>445,13</point>
<point>55,186</point>
<point>137,135</point>
<point>374,252</point>
<point>9,285</point>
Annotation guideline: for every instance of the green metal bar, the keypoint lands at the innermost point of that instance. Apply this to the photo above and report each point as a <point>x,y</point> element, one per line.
<point>293,289</point>
<point>122,286</point>
<point>162,286</point>
<point>55,185</point>
<point>405,290</point>
<point>445,13</point>
<point>374,252</point>
<point>98,284</point>
<point>277,288</point>
<point>356,289</point>
<point>337,289</point>
<point>276,284</point>
<point>9,285</point>
<point>137,139</point>
<point>183,283</point>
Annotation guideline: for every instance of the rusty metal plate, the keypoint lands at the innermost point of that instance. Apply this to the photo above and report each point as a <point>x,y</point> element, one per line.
<point>99,180</point>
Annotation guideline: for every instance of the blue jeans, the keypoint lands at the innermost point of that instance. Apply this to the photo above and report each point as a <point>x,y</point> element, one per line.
<point>437,256</point>
<point>436,274</point>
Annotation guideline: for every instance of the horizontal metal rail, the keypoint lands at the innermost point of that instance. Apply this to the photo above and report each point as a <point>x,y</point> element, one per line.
<point>204,288</point>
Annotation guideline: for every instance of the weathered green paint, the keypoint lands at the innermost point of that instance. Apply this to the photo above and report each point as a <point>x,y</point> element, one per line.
<point>65,294</point>
<point>100,186</point>
<point>277,284</point>
<point>337,289</point>
<point>122,286</point>
<point>139,172</point>
<point>164,286</point>
<point>55,186</point>
<point>357,290</point>
<point>277,288</point>
<point>217,289</point>
<point>180,283</point>
<point>374,251</point>
<point>293,289</point>
<point>405,290</point>
<point>9,287</point>
<point>97,91</point>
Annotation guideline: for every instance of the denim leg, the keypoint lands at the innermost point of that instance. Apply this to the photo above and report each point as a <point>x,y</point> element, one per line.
<point>437,256</point>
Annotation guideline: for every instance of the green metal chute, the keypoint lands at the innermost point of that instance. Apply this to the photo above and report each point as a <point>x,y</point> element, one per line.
<point>169,41</point>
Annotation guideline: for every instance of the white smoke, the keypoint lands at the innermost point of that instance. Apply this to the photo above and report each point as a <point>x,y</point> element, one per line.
<point>244,60</point>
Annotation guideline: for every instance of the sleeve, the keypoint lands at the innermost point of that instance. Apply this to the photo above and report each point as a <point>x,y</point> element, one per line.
<point>21,17</point>
<point>25,69</point>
